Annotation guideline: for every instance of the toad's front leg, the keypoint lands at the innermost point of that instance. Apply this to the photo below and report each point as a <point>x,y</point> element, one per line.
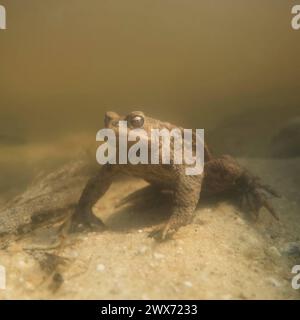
<point>93,191</point>
<point>186,197</point>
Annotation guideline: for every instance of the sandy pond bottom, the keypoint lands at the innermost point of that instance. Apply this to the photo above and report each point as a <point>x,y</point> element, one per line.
<point>221,255</point>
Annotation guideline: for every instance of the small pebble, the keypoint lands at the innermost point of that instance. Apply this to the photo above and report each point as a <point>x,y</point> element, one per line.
<point>142,249</point>
<point>158,256</point>
<point>188,284</point>
<point>179,250</point>
<point>100,267</point>
<point>22,263</point>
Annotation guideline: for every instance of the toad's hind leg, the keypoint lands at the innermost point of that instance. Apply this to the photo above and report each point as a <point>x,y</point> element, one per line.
<point>225,176</point>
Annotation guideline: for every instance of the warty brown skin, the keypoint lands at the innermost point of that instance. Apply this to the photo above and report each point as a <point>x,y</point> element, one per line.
<point>221,176</point>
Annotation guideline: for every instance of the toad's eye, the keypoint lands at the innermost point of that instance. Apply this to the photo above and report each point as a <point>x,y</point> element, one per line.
<point>137,121</point>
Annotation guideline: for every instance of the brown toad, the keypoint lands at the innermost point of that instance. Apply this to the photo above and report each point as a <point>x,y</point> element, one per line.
<point>221,176</point>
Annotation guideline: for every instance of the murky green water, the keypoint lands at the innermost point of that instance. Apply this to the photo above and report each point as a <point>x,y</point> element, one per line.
<point>197,63</point>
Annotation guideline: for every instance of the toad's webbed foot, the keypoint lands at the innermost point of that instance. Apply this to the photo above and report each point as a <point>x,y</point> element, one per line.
<point>80,222</point>
<point>226,176</point>
<point>159,234</point>
<point>253,195</point>
<point>167,231</point>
